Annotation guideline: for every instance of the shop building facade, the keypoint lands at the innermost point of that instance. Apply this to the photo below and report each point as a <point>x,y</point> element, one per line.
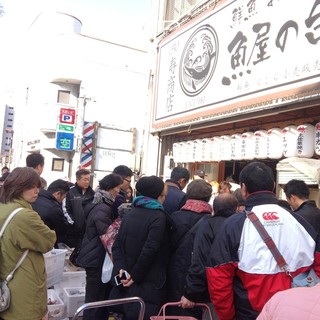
<point>237,81</point>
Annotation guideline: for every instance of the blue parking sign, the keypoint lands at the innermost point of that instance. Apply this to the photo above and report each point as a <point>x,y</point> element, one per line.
<point>64,141</point>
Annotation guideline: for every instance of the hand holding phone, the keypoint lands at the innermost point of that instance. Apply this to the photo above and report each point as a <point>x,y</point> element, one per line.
<point>118,278</point>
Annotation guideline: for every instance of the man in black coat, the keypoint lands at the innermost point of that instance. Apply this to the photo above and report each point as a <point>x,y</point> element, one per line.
<point>48,206</point>
<point>297,193</point>
<point>176,198</point>
<point>79,194</point>
<point>125,173</point>
<point>196,289</point>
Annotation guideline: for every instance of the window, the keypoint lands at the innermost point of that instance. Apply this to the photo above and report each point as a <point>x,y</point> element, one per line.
<point>57,164</point>
<point>63,97</point>
<point>177,8</point>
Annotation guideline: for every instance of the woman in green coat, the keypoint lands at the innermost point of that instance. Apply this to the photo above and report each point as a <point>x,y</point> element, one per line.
<point>26,231</point>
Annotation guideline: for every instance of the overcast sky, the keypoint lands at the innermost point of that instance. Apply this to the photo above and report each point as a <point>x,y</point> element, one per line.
<point>123,21</point>
<point>100,18</point>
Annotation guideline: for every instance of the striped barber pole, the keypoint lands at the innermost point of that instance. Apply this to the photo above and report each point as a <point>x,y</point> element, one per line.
<point>86,146</point>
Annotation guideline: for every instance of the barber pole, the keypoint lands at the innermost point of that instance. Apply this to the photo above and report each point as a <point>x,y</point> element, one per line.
<point>87,144</point>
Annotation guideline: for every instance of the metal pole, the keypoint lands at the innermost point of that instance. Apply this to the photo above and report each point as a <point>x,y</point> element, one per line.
<point>106,303</point>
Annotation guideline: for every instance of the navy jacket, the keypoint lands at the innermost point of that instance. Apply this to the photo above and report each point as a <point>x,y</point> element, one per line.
<point>175,198</point>
<point>50,211</point>
<point>309,211</point>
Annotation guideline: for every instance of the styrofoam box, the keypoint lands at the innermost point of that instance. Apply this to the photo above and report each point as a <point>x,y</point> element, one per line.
<point>56,311</point>
<point>73,299</point>
<point>54,262</point>
<point>70,279</point>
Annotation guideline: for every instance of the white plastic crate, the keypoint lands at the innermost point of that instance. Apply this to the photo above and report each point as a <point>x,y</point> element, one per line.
<point>70,279</point>
<point>56,308</point>
<point>54,262</point>
<point>73,299</point>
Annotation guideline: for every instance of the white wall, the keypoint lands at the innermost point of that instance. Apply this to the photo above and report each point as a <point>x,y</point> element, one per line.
<point>114,79</point>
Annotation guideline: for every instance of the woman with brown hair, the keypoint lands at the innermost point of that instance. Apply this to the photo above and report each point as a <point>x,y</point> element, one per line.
<point>225,187</point>
<point>26,231</point>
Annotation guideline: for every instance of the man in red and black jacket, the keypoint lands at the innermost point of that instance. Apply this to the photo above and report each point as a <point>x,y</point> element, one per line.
<point>242,273</point>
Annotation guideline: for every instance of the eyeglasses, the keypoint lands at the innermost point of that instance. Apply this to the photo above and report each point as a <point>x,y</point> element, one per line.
<point>129,181</point>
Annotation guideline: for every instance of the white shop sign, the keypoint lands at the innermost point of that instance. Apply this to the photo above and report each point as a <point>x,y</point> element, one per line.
<point>238,57</point>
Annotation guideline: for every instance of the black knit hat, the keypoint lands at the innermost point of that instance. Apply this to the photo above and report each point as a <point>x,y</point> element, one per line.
<point>151,187</point>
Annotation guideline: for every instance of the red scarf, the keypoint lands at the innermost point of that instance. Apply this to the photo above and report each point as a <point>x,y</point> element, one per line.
<point>197,206</point>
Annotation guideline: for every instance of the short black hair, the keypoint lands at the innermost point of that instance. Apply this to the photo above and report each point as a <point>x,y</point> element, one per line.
<point>257,176</point>
<point>178,173</point>
<point>82,172</point>
<point>123,171</point>
<point>34,159</point>
<point>297,188</point>
<point>110,181</point>
<point>58,185</point>
<point>4,176</point>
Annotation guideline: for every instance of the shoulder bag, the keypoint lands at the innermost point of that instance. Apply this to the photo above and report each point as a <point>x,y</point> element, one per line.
<point>5,297</point>
<point>304,279</point>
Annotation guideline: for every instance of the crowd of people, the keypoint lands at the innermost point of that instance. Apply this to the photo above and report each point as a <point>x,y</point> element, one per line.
<point>174,242</point>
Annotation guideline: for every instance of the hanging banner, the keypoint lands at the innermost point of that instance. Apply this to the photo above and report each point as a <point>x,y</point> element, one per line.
<point>274,143</point>
<point>290,141</point>
<point>247,146</point>
<point>235,146</point>
<point>306,136</point>
<point>206,149</point>
<point>175,152</point>
<point>225,148</point>
<point>216,145</point>
<point>317,138</point>
<point>197,145</point>
<point>260,144</point>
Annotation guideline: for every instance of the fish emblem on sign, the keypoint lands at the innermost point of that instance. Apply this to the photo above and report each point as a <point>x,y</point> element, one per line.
<point>198,60</point>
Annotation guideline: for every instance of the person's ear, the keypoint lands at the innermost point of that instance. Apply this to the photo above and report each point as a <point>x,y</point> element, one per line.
<point>244,191</point>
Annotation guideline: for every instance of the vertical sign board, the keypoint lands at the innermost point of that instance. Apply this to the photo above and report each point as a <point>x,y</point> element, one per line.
<point>65,129</point>
<point>64,141</point>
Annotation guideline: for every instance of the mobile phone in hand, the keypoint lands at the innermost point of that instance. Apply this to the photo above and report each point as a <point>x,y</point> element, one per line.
<point>118,279</point>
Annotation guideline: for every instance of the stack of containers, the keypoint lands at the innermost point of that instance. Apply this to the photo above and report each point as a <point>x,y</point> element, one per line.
<point>71,290</point>
<point>54,264</point>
